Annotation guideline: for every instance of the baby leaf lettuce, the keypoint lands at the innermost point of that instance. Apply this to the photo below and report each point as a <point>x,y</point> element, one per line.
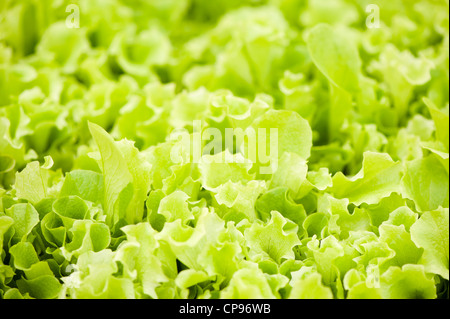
<point>341,191</point>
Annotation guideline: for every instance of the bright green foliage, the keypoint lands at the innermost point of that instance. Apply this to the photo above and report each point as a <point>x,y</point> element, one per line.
<point>335,57</point>
<point>224,149</point>
<point>307,284</point>
<point>431,192</point>
<point>274,240</point>
<point>379,177</point>
<point>431,233</point>
<point>408,282</point>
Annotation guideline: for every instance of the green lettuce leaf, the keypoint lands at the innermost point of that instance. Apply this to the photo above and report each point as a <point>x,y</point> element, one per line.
<point>194,149</point>
<point>379,177</point>
<point>25,219</point>
<point>335,57</point>
<point>34,182</point>
<point>276,239</point>
<point>430,232</point>
<point>248,283</point>
<point>407,282</point>
<point>307,284</point>
<point>426,182</point>
<point>126,176</point>
<point>137,255</point>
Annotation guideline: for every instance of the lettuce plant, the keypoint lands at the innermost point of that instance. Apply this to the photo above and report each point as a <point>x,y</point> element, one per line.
<point>224,149</point>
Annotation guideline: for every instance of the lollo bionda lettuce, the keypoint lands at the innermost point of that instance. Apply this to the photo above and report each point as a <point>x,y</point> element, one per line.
<point>268,149</point>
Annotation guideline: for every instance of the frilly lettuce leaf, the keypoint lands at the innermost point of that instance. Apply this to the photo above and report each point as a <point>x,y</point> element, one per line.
<point>276,239</point>
<point>441,119</point>
<point>175,207</point>
<point>307,284</point>
<point>25,219</point>
<point>325,255</point>
<point>279,199</point>
<point>114,169</point>
<point>248,283</point>
<point>341,221</point>
<point>407,282</point>
<point>399,240</point>
<point>379,177</point>
<point>402,71</point>
<point>86,184</point>
<point>430,232</point>
<point>236,201</point>
<point>138,257</point>
<point>123,168</point>
<point>189,244</point>
<point>39,280</point>
<point>335,57</point>
<point>432,190</point>
<point>40,176</point>
<point>93,278</point>
<point>217,169</point>
<point>281,131</point>
<point>291,172</point>
<point>136,54</point>
<point>63,45</point>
